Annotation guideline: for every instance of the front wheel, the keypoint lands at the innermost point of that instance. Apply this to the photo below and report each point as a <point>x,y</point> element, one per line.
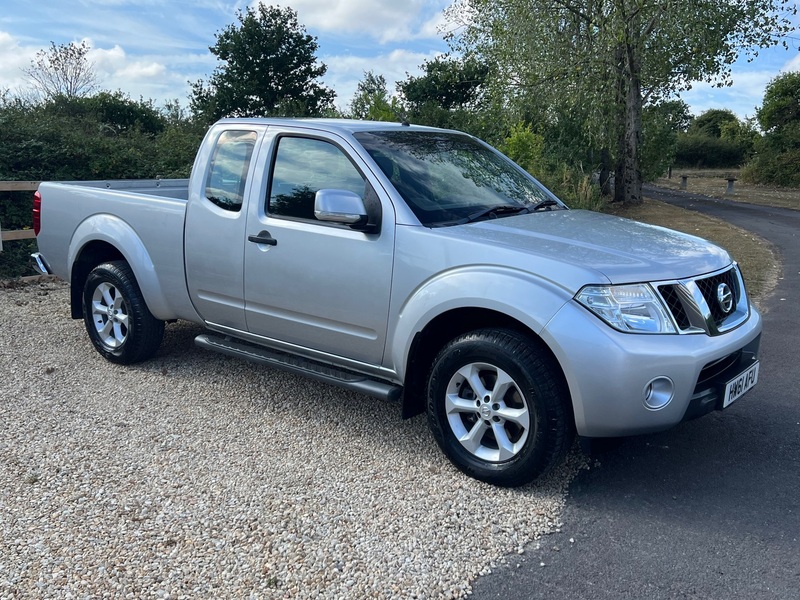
<point>117,319</point>
<point>498,407</point>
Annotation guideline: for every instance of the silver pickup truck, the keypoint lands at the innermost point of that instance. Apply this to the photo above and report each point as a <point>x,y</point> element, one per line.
<point>411,263</point>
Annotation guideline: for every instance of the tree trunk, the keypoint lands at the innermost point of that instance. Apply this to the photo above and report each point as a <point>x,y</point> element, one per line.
<point>632,176</point>
<point>605,172</point>
<point>619,115</point>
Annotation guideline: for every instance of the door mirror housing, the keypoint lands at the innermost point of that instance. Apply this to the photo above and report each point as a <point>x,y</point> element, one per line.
<point>340,206</point>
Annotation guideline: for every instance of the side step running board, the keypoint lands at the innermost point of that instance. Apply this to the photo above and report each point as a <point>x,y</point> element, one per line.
<point>301,366</point>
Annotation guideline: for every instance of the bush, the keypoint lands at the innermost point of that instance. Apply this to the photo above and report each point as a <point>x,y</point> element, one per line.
<point>107,136</point>
<point>525,148</point>
<point>777,157</point>
<point>15,214</point>
<point>571,185</point>
<point>699,151</point>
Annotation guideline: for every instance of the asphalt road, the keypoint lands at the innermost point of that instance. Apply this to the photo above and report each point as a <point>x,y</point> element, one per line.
<point>710,509</point>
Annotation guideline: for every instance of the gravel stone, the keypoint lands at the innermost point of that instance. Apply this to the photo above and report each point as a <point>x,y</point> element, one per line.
<point>197,475</point>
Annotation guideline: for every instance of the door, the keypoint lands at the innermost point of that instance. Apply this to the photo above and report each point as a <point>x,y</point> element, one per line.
<point>321,286</point>
<point>214,236</point>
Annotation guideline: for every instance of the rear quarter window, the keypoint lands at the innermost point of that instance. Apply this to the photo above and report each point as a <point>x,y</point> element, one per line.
<point>227,173</point>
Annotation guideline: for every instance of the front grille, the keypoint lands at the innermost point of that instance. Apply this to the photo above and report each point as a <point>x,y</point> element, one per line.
<point>708,287</point>
<point>675,306</point>
<point>694,306</point>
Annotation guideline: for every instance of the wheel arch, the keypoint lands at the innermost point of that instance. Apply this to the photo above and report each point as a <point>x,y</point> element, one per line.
<point>103,238</point>
<point>447,326</point>
<point>92,254</point>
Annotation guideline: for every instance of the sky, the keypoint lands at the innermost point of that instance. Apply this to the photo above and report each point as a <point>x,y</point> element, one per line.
<point>153,48</point>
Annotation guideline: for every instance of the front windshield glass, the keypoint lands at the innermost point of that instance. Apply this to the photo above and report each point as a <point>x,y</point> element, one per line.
<point>449,178</point>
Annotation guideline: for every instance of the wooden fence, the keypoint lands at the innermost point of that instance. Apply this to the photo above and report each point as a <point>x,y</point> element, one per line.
<point>17,186</point>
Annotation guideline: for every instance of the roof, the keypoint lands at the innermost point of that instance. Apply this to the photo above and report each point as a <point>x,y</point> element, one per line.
<point>333,125</point>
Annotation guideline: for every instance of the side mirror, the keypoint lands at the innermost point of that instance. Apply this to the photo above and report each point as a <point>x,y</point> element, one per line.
<point>340,206</point>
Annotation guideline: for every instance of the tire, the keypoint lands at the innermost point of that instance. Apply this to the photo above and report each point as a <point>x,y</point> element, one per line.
<point>117,319</point>
<point>498,407</point>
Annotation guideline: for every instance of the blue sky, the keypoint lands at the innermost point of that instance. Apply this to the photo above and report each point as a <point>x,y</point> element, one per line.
<point>152,48</point>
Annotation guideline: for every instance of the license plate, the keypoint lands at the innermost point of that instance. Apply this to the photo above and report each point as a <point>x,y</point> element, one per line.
<point>740,385</point>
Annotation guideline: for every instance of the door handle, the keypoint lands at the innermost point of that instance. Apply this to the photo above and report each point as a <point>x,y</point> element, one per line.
<point>263,237</point>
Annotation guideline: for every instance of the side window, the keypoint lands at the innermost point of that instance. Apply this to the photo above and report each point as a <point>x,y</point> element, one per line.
<point>303,166</point>
<point>227,174</point>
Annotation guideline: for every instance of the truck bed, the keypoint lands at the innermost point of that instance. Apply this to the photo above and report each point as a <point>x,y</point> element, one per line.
<point>177,189</point>
<point>143,219</point>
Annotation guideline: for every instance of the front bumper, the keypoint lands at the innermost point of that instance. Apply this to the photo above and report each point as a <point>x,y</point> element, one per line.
<point>609,373</point>
<point>710,389</point>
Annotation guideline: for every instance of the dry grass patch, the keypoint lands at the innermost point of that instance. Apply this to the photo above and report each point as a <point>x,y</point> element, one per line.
<point>760,264</point>
<point>713,182</point>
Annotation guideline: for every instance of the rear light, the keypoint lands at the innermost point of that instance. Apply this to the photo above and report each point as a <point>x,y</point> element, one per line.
<point>37,212</point>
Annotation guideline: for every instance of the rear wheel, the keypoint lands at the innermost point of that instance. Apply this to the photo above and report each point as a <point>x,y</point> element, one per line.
<point>497,406</point>
<point>117,319</point>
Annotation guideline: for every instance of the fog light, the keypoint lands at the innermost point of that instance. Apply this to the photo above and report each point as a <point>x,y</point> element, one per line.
<point>658,393</point>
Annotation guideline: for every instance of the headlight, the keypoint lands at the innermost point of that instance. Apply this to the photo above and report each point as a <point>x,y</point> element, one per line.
<point>627,308</point>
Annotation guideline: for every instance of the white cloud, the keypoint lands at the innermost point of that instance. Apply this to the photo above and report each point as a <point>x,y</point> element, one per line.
<point>147,48</point>
<point>115,64</point>
<point>743,97</point>
<point>792,66</point>
<point>382,20</point>
<point>13,58</point>
<point>345,71</point>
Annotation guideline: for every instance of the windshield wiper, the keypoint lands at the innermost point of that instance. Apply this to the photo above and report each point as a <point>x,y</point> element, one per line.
<point>495,211</point>
<point>544,204</point>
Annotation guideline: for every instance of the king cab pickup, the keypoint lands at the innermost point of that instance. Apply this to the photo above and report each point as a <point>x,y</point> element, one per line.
<point>415,264</point>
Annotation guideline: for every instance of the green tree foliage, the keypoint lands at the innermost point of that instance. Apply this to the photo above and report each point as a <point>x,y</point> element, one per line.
<point>526,148</point>
<point>777,154</point>
<point>781,107</point>
<point>106,136</point>
<point>613,56</point>
<point>448,83</point>
<point>716,139</point>
<point>63,70</point>
<point>452,93</point>
<point>371,100</point>
<point>700,151</point>
<point>267,67</point>
<point>711,122</point>
<point>661,125</point>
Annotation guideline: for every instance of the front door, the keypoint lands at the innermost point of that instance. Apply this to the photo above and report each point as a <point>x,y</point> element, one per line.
<point>317,285</point>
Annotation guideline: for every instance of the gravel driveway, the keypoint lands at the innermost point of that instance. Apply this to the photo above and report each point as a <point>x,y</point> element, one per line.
<point>195,475</point>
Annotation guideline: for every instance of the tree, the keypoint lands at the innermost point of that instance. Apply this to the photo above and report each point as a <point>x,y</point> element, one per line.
<point>371,100</point>
<point>777,154</point>
<point>450,83</point>
<point>716,139</point>
<point>615,56</point>
<point>451,92</point>
<point>781,107</point>
<point>712,122</point>
<point>267,67</point>
<point>661,124</point>
<point>63,70</point>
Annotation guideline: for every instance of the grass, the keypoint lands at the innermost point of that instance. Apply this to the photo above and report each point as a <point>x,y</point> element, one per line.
<point>712,182</point>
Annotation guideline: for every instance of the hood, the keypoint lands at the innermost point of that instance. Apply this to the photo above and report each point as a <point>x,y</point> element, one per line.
<point>622,250</point>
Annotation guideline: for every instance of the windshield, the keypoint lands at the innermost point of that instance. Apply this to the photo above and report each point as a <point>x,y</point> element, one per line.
<point>450,178</point>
